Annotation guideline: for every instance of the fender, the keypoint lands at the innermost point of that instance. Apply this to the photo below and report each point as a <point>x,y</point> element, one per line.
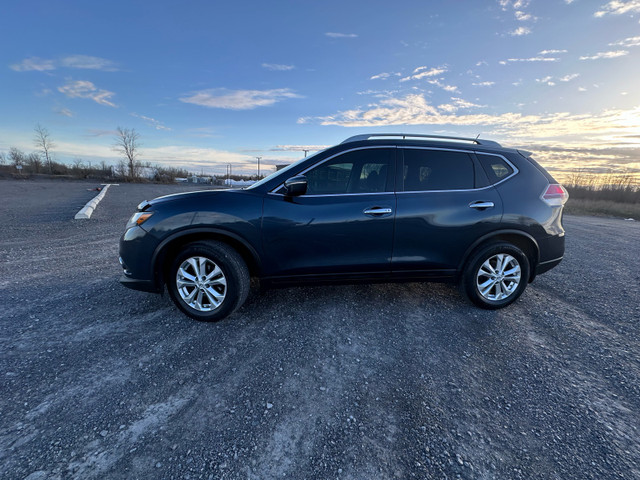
<point>497,233</point>
<point>160,250</point>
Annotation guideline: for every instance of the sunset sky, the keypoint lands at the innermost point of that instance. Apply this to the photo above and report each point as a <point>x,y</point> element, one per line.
<point>208,83</point>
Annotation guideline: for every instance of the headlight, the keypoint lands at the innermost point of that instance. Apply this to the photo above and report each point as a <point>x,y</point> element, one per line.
<point>138,218</point>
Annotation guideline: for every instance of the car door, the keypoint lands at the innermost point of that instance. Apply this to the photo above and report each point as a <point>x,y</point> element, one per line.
<point>342,225</point>
<point>441,209</point>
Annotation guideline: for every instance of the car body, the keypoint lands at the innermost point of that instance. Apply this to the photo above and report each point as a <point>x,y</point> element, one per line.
<point>377,207</point>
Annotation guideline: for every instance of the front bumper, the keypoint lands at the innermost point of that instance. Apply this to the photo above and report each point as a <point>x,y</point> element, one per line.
<point>136,249</point>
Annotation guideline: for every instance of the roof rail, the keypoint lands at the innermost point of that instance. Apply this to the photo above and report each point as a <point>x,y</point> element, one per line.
<point>367,136</point>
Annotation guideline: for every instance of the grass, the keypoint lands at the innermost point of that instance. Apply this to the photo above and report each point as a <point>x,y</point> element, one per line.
<point>609,195</point>
<point>602,208</point>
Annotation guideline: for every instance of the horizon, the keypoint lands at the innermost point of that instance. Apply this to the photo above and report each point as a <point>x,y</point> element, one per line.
<point>210,85</point>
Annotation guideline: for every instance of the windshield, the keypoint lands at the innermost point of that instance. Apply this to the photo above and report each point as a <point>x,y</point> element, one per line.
<point>285,169</point>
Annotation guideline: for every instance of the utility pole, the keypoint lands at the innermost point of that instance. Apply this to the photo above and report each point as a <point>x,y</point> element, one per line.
<point>259,158</point>
<point>305,153</point>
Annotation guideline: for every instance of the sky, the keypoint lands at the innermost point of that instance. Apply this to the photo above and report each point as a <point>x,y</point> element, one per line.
<point>210,83</point>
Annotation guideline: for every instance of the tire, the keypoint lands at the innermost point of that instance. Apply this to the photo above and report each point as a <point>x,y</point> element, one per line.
<point>495,276</point>
<point>222,285</point>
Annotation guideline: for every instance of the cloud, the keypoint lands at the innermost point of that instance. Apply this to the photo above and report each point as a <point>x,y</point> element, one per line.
<point>530,59</point>
<point>298,148</point>
<point>85,89</point>
<point>610,54</point>
<point>445,87</point>
<point>456,104</point>
<point>277,67</point>
<point>518,32</point>
<point>424,72</point>
<point>340,35</point>
<point>548,80</point>
<point>551,52</point>
<point>239,99</point>
<point>383,76</point>
<point>101,133</point>
<point>483,84</point>
<point>551,81</point>
<point>618,7</point>
<point>523,17</point>
<point>414,109</point>
<point>627,42</point>
<point>65,111</point>
<point>568,78</point>
<point>73,61</point>
<point>34,64</point>
<point>89,63</point>
<point>151,122</point>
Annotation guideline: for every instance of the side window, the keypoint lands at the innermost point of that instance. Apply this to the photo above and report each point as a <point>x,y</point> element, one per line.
<point>495,167</point>
<point>437,170</point>
<point>358,171</point>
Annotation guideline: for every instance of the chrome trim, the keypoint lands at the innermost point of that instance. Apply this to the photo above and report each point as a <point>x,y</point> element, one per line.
<point>481,205</point>
<point>515,169</point>
<point>366,147</point>
<point>335,194</point>
<point>414,147</point>
<point>377,211</point>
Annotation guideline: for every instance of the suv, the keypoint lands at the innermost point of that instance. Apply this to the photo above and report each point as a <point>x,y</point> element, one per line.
<point>377,207</point>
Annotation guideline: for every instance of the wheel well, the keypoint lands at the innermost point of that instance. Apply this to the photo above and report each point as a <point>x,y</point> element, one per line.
<point>524,243</point>
<point>171,249</point>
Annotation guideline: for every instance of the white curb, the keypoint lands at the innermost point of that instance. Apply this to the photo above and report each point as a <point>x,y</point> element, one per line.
<point>87,210</point>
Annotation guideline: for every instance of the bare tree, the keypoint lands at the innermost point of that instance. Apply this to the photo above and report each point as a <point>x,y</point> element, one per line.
<point>44,144</point>
<point>16,156</point>
<point>34,161</point>
<point>3,158</point>
<point>127,145</point>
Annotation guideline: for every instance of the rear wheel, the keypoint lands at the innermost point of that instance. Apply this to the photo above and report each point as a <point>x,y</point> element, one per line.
<point>208,280</point>
<point>495,276</point>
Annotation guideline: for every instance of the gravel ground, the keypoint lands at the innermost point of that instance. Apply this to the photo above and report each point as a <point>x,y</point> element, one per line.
<point>347,382</point>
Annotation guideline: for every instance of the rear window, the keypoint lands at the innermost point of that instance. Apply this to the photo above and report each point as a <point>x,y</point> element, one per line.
<point>496,168</point>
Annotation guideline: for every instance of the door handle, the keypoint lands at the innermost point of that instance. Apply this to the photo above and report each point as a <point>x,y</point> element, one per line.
<point>481,205</point>
<point>375,211</point>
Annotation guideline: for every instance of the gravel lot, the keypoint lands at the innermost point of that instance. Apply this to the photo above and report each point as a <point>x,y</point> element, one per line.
<point>347,382</point>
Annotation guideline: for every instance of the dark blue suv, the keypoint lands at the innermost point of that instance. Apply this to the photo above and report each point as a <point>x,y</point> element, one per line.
<point>377,207</point>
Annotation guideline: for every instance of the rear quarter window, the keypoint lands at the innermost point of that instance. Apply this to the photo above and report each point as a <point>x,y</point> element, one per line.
<point>496,168</point>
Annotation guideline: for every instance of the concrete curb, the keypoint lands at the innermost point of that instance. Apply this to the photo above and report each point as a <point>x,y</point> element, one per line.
<point>87,210</point>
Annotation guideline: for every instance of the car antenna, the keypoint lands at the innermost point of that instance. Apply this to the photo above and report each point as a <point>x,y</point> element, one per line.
<point>477,137</point>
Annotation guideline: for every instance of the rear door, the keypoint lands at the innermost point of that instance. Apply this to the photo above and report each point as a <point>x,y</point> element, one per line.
<point>442,208</point>
<point>344,223</point>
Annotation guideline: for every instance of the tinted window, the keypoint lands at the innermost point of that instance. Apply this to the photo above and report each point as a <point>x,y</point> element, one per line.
<point>495,167</point>
<point>437,170</point>
<point>359,171</point>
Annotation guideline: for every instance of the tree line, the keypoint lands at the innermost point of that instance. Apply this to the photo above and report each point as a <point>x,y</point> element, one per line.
<point>129,168</point>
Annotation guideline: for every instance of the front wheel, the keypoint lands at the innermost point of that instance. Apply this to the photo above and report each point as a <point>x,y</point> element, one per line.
<point>208,280</point>
<point>495,276</point>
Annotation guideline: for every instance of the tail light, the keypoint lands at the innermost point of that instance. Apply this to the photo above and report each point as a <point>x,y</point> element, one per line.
<point>555,195</point>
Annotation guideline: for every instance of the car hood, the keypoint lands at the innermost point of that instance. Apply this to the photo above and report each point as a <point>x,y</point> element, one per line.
<point>200,195</point>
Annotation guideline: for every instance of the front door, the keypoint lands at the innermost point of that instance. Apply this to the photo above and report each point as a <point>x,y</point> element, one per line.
<point>342,225</point>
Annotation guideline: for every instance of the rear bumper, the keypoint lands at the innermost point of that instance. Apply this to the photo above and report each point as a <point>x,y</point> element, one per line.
<point>548,265</point>
<point>142,285</point>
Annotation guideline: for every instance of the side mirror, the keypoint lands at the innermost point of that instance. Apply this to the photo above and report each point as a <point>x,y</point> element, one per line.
<point>295,186</point>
